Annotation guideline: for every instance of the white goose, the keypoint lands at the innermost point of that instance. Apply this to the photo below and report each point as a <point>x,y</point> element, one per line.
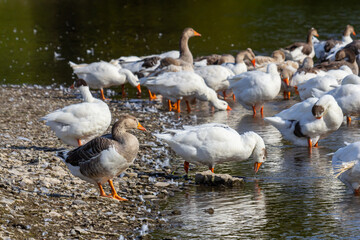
<point>186,85</point>
<point>215,77</point>
<point>305,122</point>
<point>346,163</point>
<point>214,143</point>
<point>347,95</point>
<point>104,158</point>
<point>253,88</point>
<point>78,123</point>
<point>100,75</point>
<point>321,83</point>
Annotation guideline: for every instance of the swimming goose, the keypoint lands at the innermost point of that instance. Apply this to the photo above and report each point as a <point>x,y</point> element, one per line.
<point>300,50</point>
<point>214,143</point>
<point>346,163</point>
<point>253,88</point>
<point>78,123</point>
<point>305,122</point>
<point>186,85</point>
<point>100,75</point>
<point>102,159</point>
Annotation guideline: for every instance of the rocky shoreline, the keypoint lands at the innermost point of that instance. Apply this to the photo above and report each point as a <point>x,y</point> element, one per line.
<point>40,199</point>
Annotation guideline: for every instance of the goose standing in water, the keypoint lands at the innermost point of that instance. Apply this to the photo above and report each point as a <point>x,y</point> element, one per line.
<point>214,143</point>
<point>300,50</point>
<point>102,159</point>
<point>100,75</point>
<point>78,123</point>
<point>346,163</point>
<point>305,122</point>
<point>252,89</point>
<point>186,85</point>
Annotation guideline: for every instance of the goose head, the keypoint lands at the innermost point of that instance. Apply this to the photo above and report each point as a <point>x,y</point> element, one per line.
<point>321,107</point>
<point>346,54</point>
<point>189,32</point>
<point>259,152</point>
<point>125,122</point>
<point>217,103</point>
<point>349,30</point>
<point>278,55</point>
<point>313,32</point>
<point>247,54</point>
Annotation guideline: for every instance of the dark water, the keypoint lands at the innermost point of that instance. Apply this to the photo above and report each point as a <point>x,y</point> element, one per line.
<point>295,194</point>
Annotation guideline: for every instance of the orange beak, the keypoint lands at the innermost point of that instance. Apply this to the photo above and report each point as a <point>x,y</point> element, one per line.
<point>72,86</point>
<point>316,35</point>
<point>253,62</point>
<point>197,34</point>
<point>286,81</point>
<point>318,117</point>
<point>138,88</point>
<point>141,127</point>
<point>257,166</point>
<point>354,33</point>
<point>228,108</point>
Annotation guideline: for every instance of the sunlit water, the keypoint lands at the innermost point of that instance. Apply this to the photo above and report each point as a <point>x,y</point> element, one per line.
<point>295,194</point>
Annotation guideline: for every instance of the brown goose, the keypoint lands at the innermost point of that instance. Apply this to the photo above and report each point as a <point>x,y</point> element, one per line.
<point>343,57</point>
<point>300,50</point>
<point>105,157</point>
<point>277,57</point>
<point>184,62</point>
<point>215,59</point>
<point>346,39</point>
<point>185,54</point>
<point>241,61</point>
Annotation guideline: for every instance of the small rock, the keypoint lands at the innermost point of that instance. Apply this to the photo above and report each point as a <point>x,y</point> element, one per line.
<point>7,201</point>
<point>161,184</point>
<point>209,211</point>
<point>79,202</point>
<point>209,178</point>
<point>54,214</point>
<point>131,175</point>
<point>176,212</point>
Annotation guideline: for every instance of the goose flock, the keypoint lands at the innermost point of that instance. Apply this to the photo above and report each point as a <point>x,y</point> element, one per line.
<point>328,87</point>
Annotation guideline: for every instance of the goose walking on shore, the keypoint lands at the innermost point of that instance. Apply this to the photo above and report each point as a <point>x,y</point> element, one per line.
<point>104,158</point>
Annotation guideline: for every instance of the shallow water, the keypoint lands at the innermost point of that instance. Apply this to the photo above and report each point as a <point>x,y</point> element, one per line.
<point>295,194</point>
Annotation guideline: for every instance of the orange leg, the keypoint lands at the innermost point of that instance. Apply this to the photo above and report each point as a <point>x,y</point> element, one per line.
<point>102,95</point>
<point>102,193</point>
<point>186,167</point>
<point>211,169</point>
<point>114,194</point>
<point>348,120</point>
<point>285,95</point>
<point>309,143</point>
<point>357,192</point>
<point>151,96</point>
<point>296,90</point>
<point>316,144</point>
<point>289,94</point>
<point>170,106</point>
<point>234,98</point>
<point>79,142</point>
<point>188,106</point>
<point>178,105</point>
<point>254,111</point>
<point>262,111</point>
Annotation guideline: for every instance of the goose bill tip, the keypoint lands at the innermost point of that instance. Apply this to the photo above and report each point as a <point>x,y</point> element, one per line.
<point>141,127</point>
<point>257,166</point>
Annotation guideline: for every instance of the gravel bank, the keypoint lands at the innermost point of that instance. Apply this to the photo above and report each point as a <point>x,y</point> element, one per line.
<point>40,199</point>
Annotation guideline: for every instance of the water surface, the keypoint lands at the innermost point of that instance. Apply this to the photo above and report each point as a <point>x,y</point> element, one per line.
<point>295,194</point>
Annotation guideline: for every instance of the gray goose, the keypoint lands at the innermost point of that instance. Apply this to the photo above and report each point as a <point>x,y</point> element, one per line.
<point>300,50</point>
<point>105,157</point>
<point>345,56</point>
<point>184,62</point>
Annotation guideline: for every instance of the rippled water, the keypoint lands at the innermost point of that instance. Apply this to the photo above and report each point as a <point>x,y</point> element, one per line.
<point>295,194</point>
